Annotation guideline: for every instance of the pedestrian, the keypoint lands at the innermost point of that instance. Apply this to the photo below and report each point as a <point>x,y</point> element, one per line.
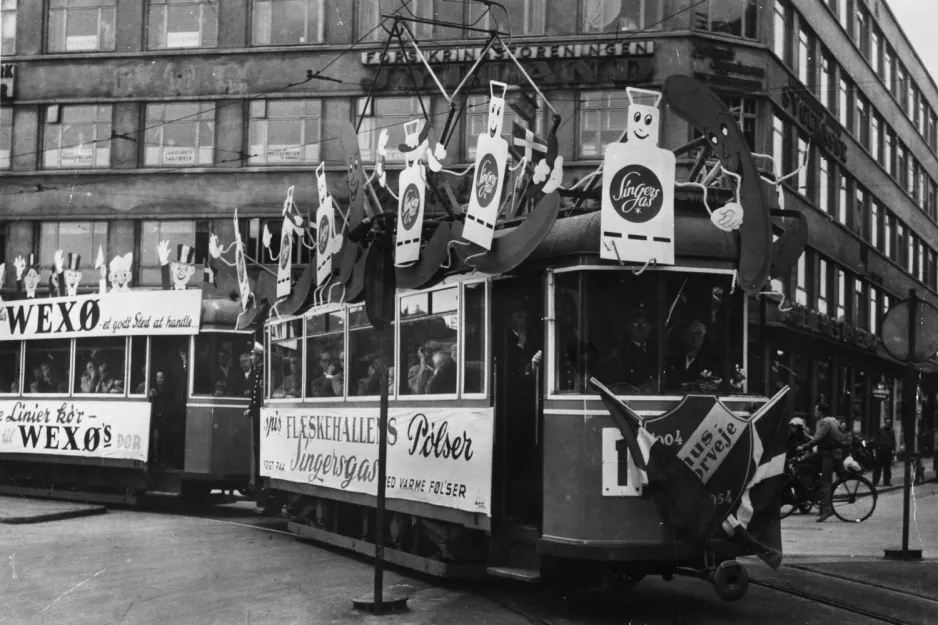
<point>885,444</point>
<point>796,436</point>
<point>830,441</point>
<point>254,409</point>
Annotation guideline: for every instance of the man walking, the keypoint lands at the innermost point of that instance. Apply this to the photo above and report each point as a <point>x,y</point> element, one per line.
<point>830,442</point>
<point>885,444</point>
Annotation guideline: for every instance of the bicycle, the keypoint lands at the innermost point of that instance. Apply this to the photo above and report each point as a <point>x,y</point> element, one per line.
<point>853,496</point>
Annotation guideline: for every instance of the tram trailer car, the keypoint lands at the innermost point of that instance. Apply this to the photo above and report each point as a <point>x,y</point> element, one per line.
<point>499,467</point>
<point>115,409</point>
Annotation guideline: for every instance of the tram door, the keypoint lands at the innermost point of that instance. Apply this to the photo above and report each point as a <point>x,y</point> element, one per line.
<point>517,314</point>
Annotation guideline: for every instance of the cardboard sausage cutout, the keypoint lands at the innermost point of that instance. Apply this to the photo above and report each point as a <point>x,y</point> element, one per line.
<point>699,105</point>
<point>638,189</point>
<point>244,286</point>
<point>489,175</point>
<point>325,228</point>
<point>411,198</point>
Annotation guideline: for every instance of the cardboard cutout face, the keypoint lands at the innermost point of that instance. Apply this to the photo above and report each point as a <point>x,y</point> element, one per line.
<point>181,273</point>
<point>31,281</point>
<point>72,278</point>
<point>121,274</point>
<point>496,109</point>
<point>643,123</point>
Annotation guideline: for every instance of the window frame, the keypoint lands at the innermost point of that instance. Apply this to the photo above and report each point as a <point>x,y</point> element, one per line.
<point>155,5</point>
<point>8,44</point>
<point>53,120</point>
<point>263,120</point>
<point>102,6</point>
<point>6,137</point>
<point>320,22</point>
<point>397,341</point>
<point>203,108</point>
<point>645,25</point>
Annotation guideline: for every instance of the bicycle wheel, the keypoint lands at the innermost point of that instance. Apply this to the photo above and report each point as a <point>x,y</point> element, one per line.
<point>854,498</point>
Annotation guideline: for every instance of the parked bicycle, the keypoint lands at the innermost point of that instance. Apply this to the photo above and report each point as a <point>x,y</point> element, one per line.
<point>853,496</point>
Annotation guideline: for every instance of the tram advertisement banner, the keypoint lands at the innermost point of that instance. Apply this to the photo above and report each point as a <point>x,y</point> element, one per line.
<point>113,430</point>
<point>441,456</point>
<point>113,314</point>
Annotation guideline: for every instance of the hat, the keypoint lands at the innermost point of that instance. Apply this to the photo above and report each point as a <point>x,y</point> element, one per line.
<point>185,254</point>
<point>798,421</point>
<point>258,347</point>
<point>697,326</point>
<point>636,311</point>
<point>74,261</point>
<point>32,263</point>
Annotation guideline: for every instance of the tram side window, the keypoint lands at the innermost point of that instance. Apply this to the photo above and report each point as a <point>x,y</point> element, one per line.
<point>606,327</point>
<point>364,358</point>
<point>704,349</point>
<point>99,365</point>
<point>325,354</point>
<point>286,359</point>
<point>169,367</point>
<point>428,354</point>
<point>47,366</point>
<point>474,340</point>
<point>219,366</point>
<point>138,365</point>
<point>10,367</point>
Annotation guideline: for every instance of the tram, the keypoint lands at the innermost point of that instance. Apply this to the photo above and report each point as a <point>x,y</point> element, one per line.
<point>114,396</point>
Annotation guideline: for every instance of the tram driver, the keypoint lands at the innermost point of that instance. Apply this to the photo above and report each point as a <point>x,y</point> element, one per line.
<point>638,352</point>
<point>690,362</point>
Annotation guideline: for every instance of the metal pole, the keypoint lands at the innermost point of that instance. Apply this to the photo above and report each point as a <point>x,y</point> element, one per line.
<point>382,469</point>
<point>910,381</point>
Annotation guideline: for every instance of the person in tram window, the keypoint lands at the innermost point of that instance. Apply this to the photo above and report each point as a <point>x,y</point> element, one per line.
<point>419,374</point>
<point>830,441</point>
<point>37,382</point>
<point>885,445</point>
<point>162,423</point>
<point>107,381</point>
<point>177,371</point>
<point>690,362</point>
<point>371,383</point>
<point>141,387</point>
<point>246,374</point>
<point>290,385</point>
<point>639,352</point>
<point>225,372</point>
<point>54,383</point>
<point>332,381</point>
<point>89,377</point>
<point>443,378</point>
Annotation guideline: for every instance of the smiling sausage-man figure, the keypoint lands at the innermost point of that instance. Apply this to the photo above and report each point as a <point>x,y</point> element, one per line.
<point>176,274</point>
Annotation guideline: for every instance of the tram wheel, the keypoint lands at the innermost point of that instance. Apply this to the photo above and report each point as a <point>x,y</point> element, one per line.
<point>399,529</point>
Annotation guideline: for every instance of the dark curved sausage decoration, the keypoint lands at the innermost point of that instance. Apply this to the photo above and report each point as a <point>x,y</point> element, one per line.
<point>792,230</point>
<point>511,247</point>
<point>432,257</point>
<point>699,105</point>
<point>263,294</point>
<point>356,175</point>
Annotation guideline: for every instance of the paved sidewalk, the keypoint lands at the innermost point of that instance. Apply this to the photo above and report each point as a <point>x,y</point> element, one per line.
<point>19,510</point>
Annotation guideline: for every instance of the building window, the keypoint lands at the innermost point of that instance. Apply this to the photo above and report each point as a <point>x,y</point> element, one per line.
<point>744,110</point>
<point>8,27</point>
<point>801,280</point>
<point>843,103</point>
<point>861,30</point>
<point>822,291</point>
<point>782,38</point>
<point>603,116</point>
<point>863,121</point>
<point>921,116</point>
<point>806,58</point>
<point>182,24</point>
<point>386,114</point>
<point>733,17</point>
<point>902,86</point>
<point>860,308</point>
<point>177,233</point>
<point>902,166</point>
<point>911,97</point>
<point>370,20</point>
<point>876,225</point>
<point>860,204</point>
<point>933,131</point>
<point>932,280</point>
<point>284,132</point>
<point>477,115</point>
<point>824,184</point>
<point>827,93</point>
<point>621,15</point>
<point>74,237</point>
<point>932,200</point>
<point>889,221</point>
<point>841,310</point>
<point>286,22</point>
<point>77,136</point>
<point>803,172</point>
<point>527,17</point>
<point>889,69</point>
<point>180,135</point>
<point>891,152</point>
<point>902,245</point>
<point>81,25</point>
<point>876,51</point>
<point>876,143</point>
<point>779,145</point>
<point>6,136</point>
<point>843,14</point>
<point>843,198</point>
<point>874,309</point>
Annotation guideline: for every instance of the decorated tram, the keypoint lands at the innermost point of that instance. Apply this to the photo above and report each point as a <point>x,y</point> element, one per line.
<point>565,367</point>
<point>112,395</point>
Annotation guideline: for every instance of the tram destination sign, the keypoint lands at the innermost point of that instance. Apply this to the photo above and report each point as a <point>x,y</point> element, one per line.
<point>113,430</point>
<point>114,314</point>
<point>439,456</point>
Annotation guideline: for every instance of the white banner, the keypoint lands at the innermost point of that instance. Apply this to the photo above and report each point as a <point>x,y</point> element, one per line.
<point>113,314</point>
<point>64,427</point>
<point>441,456</point>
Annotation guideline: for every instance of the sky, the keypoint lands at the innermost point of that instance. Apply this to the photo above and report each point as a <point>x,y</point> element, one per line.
<point>918,19</point>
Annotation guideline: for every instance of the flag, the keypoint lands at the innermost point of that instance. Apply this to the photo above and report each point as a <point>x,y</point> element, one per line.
<point>524,143</point>
<point>208,272</point>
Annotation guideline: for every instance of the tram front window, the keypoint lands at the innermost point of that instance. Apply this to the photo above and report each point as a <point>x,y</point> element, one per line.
<point>99,365</point>
<point>325,354</point>
<point>474,340</point>
<point>428,342</point>
<point>658,332</point>
<point>47,366</point>
<point>218,364</point>
<point>10,367</point>
<point>286,359</point>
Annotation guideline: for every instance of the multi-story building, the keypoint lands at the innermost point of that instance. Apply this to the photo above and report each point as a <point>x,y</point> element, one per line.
<point>125,122</point>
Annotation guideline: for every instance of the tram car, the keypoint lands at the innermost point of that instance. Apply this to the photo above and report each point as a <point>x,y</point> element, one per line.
<point>115,395</point>
<point>570,393</point>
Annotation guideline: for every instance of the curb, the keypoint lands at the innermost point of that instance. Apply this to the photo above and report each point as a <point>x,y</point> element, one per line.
<point>53,516</point>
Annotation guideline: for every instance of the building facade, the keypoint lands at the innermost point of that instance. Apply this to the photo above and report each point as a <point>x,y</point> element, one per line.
<point>126,122</point>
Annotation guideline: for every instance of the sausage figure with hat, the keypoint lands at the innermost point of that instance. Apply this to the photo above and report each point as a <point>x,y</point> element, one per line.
<point>176,274</point>
<point>27,275</point>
